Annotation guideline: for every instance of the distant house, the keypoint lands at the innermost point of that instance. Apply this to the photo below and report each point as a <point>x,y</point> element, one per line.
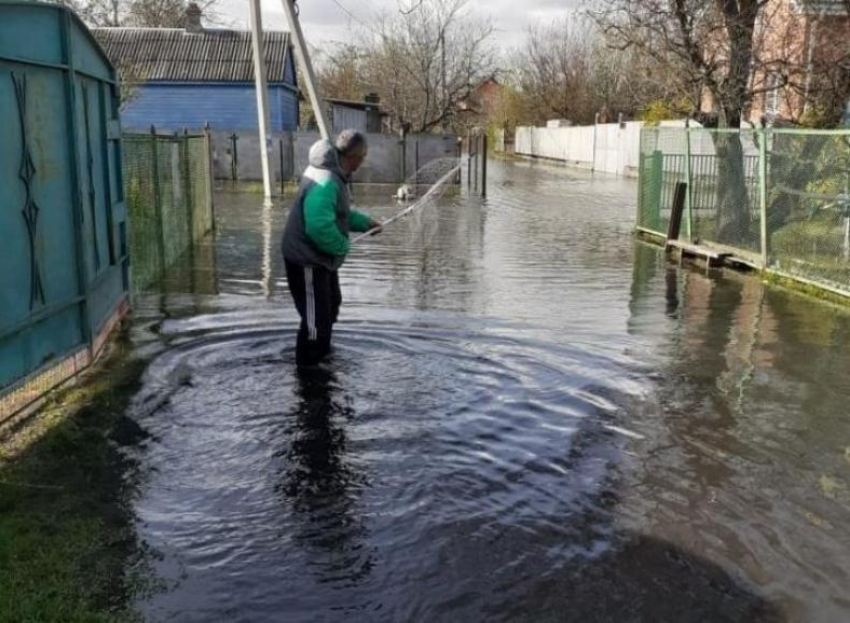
<point>796,40</point>
<point>364,115</point>
<point>186,77</point>
<point>484,99</point>
<point>483,105</point>
<point>812,35</point>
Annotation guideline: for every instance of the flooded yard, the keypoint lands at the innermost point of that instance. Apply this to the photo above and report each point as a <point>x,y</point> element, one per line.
<point>528,416</point>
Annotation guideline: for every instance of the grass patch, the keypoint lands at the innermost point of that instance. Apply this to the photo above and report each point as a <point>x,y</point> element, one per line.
<point>813,248</point>
<point>810,238</point>
<point>67,545</point>
<point>789,283</point>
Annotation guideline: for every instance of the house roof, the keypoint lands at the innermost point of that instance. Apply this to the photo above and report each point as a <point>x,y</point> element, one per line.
<point>176,55</point>
<point>358,104</point>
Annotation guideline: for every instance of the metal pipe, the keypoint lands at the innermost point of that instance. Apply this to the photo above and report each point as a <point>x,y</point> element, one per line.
<point>304,59</point>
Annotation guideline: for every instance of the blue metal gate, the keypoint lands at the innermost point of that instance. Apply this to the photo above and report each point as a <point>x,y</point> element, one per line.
<point>63,259</point>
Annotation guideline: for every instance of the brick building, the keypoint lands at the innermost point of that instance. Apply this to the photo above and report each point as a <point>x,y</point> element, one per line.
<point>799,44</point>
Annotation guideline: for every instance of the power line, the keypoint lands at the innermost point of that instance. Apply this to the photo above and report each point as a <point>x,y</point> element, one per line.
<point>350,14</point>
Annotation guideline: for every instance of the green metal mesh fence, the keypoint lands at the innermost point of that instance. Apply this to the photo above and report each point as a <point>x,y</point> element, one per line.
<point>779,199</point>
<point>169,200</point>
<point>808,207</point>
<point>724,189</point>
<point>663,159</point>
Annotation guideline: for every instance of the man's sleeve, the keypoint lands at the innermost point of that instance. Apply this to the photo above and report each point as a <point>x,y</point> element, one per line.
<point>320,219</point>
<point>358,221</point>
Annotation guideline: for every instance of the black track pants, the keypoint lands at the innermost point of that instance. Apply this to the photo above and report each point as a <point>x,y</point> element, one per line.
<point>317,297</point>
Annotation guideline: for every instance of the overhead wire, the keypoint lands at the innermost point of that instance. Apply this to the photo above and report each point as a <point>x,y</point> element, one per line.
<point>349,13</point>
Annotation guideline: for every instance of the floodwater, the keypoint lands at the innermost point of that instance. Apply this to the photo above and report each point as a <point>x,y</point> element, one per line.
<point>528,416</point>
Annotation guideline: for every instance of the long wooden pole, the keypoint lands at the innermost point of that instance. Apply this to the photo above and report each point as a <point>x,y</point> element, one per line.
<point>306,67</point>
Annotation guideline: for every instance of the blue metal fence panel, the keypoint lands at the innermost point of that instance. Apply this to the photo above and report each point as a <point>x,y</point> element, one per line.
<point>61,205</point>
<point>170,106</point>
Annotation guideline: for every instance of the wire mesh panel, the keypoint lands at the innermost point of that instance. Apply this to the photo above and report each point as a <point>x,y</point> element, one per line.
<point>200,186</point>
<point>724,185</point>
<point>808,206</point>
<point>777,198</point>
<point>662,165</point>
<point>169,200</point>
<point>173,210</point>
<point>140,181</point>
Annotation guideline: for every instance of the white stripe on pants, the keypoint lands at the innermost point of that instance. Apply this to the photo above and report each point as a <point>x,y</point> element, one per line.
<point>312,332</point>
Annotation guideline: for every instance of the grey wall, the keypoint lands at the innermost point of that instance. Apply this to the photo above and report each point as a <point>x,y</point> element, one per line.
<point>383,165</point>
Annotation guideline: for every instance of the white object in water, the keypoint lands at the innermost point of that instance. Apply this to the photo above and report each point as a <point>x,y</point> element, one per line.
<point>404,192</point>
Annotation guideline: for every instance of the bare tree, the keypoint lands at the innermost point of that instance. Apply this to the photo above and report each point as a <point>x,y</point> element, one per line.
<point>426,59</point>
<point>737,51</point>
<point>140,13</point>
<point>554,70</point>
<point>566,69</point>
<point>712,44</point>
<point>732,51</point>
<point>339,69</point>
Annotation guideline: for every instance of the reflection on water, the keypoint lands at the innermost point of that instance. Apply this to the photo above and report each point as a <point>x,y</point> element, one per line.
<point>320,483</point>
<point>750,436</point>
<point>528,416</point>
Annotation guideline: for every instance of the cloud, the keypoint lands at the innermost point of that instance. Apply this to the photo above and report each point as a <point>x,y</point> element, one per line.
<point>324,20</point>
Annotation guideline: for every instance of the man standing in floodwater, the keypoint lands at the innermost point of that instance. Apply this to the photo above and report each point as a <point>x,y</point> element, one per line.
<point>315,240</point>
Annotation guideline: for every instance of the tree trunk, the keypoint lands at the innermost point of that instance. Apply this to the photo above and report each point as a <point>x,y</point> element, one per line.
<point>733,222</point>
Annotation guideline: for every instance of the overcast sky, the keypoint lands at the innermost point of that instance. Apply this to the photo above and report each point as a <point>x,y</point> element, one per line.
<point>324,20</point>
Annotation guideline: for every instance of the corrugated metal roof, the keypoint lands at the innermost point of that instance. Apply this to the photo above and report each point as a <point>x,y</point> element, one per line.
<point>359,104</point>
<point>176,55</point>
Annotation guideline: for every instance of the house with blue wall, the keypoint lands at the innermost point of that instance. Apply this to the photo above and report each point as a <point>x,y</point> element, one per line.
<point>177,78</point>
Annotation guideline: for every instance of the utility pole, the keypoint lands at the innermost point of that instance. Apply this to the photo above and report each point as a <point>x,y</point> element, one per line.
<point>306,67</point>
<point>262,95</point>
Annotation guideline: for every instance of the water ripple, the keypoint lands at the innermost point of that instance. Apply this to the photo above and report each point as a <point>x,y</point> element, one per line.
<point>335,477</point>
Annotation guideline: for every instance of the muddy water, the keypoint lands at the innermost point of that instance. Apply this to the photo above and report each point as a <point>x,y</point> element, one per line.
<point>528,416</point>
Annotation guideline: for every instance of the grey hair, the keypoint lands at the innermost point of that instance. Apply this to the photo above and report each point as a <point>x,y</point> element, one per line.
<point>350,141</point>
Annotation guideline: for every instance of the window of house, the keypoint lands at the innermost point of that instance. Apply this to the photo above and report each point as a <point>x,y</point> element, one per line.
<point>772,96</point>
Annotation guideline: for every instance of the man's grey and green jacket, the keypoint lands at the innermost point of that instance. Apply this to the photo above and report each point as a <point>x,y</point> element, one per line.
<point>316,232</point>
